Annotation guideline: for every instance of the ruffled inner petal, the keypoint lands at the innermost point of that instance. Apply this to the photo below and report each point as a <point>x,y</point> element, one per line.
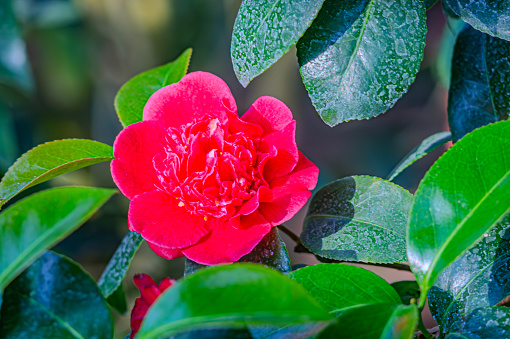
<point>269,113</point>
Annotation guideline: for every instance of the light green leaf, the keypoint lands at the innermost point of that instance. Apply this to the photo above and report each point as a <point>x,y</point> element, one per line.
<point>489,16</point>
<point>425,147</point>
<point>234,295</point>
<point>360,56</point>
<point>461,197</point>
<point>358,218</point>
<point>40,221</point>
<point>265,30</point>
<point>443,64</point>
<point>402,323</point>
<point>133,95</point>
<point>50,160</point>
<point>55,298</point>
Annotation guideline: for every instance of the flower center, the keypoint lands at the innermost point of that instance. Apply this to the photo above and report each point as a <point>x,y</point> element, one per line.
<point>208,167</point>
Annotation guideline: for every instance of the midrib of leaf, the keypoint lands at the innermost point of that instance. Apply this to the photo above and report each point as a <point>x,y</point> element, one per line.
<point>457,296</point>
<point>358,41</point>
<point>61,321</point>
<point>267,15</point>
<point>32,248</point>
<point>353,219</point>
<point>459,227</point>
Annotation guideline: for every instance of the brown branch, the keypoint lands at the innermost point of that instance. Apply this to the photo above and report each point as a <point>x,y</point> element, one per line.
<point>291,234</point>
<point>505,302</point>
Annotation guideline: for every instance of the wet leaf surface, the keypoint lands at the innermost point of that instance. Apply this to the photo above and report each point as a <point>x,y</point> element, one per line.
<point>489,16</point>
<point>425,147</point>
<point>359,57</point>
<point>479,278</point>
<point>461,197</point>
<point>485,323</point>
<point>54,298</point>
<point>265,30</point>
<point>237,295</point>
<point>480,82</point>
<point>133,95</point>
<point>358,218</point>
<point>48,161</point>
<point>40,221</point>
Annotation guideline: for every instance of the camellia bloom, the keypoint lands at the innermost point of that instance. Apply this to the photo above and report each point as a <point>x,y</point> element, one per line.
<point>149,292</point>
<point>203,182</point>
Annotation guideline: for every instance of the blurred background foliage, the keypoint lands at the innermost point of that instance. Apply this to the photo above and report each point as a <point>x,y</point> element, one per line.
<point>62,62</point>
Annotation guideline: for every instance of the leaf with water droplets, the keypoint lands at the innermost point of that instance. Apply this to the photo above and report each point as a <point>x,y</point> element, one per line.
<point>54,298</point>
<point>480,83</point>
<point>110,281</point>
<point>14,66</point>
<point>38,222</point>
<point>484,323</point>
<point>270,252</point>
<point>489,16</point>
<point>133,95</point>
<point>265,30</point>
<point>479,278</point>
<point>48,161</point>
<point>360,56</point>
<point>424,148</point>
<point>358,218</point>
<point>462,196</point>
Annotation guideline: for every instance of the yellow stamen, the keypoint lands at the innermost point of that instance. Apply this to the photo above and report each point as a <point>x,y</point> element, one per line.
<point>205,218</point>
<point>181,204</point>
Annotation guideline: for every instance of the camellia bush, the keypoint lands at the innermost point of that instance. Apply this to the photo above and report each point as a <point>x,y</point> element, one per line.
<point>216,186</point>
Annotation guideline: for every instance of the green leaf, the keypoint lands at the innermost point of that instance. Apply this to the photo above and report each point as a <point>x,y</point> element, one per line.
<point>425,147</point>
<point>430,3</point>
<point>265,30</point>
<point>479,278</point>
<point>9,149</point>
<point>50,160</point>
<point>230,296</point>
<point>407,290</point>
<point>402,323</point>
<point>14,66</point>
<point>462,196</point>
<point>54,298</point>
<point>41,220</point>
<point>358,218</point>
<point>339,287</point>
<point>485,323</point>
<point>361,322</point>
<point>489,16</point>
<point>133,95</point>
<point>480,82</point>
<point>117,300</point>
<point>270,252</point>
<point>360,56</point>
<point>114,273</point>
<point>443,64</point>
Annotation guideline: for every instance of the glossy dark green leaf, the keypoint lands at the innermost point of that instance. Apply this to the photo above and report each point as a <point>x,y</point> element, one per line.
<point>360,322</point>
<point>489,16</point>
<point>14,66</point>
<point>479,278</point>
<point>407,290</point>
<point>133,95</point>
<point>443,65</point>
<point>265,30</point>
<point>480,84</point>
<point>360,56</point>
<point>462,196</point>
<point>115,271</point>
<point>425,147</point>
<point>9,149</point>
<point>40,221</point>
<point>485,323</point>
<point>430,3</point>
<point>234,295</point>
<point>358,218</point>
<point>270,252</point>
<point>402,323</point>
<point>299,331</point>
<point>50,160</point>
<point>54,298</point>
<point>339,286</point>
<point>216,333</point>
<point>117,300</point>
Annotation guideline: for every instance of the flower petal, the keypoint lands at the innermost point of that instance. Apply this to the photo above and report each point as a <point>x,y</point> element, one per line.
<point>270,113</point>
<point>282,209</point>
<point>135,147</point>
<point>287,153</point>
<point>157,216</point>
<point>226,244</point>
<point>196,94</point>
<point>164,252</point>
<point>305,175</point>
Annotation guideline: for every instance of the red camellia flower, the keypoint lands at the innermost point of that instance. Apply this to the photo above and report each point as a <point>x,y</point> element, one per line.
<point>149,292</point>
<point>203,182</point>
